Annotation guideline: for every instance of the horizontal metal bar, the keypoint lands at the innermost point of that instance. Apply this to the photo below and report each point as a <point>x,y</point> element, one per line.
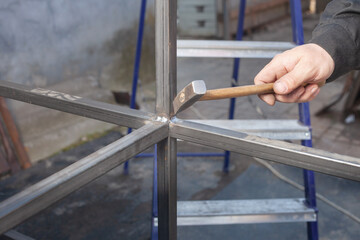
<point>223,212</point>
<point>243,211</point>
<point>76,105</point>
<point>201,154</point>
<point>269,128</point>
<point>23,205</point>
<point>273,150</point>
<point>189,154</point>
<point>230,49</point>
<point>14,235</point>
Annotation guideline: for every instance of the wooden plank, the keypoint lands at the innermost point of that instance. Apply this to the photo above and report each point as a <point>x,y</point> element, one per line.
<point>260,14</point>
<point>21,153</point>
<point>9,154</point>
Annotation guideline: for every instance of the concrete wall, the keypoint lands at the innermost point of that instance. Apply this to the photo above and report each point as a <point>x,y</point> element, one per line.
<point>81,47</point>
<point>44,41</point>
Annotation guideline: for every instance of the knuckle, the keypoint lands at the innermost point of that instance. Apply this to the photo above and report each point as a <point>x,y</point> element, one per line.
<point>282,98</point>
<point>279,56</point>
<point>291,80</point>
<point>257,79</point>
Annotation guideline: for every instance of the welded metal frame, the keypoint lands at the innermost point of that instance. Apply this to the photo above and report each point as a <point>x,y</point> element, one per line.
<point>162,129</point>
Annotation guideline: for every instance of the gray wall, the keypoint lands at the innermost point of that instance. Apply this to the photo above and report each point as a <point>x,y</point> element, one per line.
<point>46,41</point>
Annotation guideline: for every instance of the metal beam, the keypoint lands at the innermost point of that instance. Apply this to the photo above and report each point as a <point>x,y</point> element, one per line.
<point>231,49</point>
<point>223,212</point>
<point>167,188</point>
<point>76,105</point>
<point>166,32</point>
<point>273,150</point>
<point>286,129</point>
<point>36,198</point>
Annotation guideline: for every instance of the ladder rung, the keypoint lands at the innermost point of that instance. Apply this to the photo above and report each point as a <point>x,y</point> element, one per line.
<point>226,212</point>
<point>230,49</point>
<point>273,129</point>
<point>12,234</point>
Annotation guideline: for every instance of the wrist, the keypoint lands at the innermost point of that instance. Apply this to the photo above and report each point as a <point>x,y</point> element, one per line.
<point>325,58</point>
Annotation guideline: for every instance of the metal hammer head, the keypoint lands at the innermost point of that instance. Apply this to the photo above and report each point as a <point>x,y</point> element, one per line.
<point>189,95</point>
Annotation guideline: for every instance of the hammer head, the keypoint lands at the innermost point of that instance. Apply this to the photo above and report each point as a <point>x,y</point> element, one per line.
<point>189,95</point>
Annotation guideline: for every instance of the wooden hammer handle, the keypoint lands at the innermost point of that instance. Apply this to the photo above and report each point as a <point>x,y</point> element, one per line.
<point>242,91</point>
<point>237,91</point>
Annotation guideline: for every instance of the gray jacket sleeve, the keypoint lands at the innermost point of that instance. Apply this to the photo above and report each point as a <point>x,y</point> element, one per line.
<point>339,34</point>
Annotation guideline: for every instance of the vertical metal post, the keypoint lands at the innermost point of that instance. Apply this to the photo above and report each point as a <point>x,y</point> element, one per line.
<point>137,65</point>
<point>235,74</point>
<point>154,229</point>
<point>166,18</point>
<point>304,113</point>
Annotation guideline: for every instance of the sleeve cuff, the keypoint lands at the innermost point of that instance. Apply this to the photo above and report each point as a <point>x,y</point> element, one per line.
<point>334,39</point>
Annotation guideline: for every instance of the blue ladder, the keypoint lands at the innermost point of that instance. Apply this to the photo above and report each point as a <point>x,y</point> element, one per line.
<point>304,113</point>
<point>304,108</point>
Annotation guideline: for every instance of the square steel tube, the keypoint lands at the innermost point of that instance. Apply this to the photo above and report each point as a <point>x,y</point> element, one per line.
<point>165,37</point>
<point>273,150</point>
<point>64,102</point>
<point>36,198</point>
<point>231,49</point>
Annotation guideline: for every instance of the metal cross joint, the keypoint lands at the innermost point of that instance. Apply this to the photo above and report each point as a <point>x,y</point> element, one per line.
<point>151,129</point>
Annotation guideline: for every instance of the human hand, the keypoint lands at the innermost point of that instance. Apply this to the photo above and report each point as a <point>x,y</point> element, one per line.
<point>291,70</point>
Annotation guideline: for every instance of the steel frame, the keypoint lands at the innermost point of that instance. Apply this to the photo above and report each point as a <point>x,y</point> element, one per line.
<point>162,129</point>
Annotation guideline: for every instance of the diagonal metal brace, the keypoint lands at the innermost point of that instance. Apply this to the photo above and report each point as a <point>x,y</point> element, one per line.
<point>273,150</point>
<point>80,106</point>
<point>36,198</point>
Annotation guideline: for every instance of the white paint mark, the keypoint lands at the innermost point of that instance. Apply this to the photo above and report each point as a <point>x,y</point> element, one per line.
<point>54,94</point>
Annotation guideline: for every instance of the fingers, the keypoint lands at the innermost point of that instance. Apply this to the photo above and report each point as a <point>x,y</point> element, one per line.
<point>311,91</point>
<point>294,79</point>
<point>294,96</point>
<point>289,71</point>
<point>271,72</point>
<point>268,98</point>
<point>299,95</point>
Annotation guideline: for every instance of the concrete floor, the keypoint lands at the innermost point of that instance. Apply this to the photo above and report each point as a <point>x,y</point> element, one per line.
<point>117,206</point>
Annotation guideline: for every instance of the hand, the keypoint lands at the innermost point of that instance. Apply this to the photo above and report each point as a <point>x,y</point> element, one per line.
<point>306,64</point>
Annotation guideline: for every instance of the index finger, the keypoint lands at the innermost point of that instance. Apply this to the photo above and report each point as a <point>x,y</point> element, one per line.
<point>271,72</point>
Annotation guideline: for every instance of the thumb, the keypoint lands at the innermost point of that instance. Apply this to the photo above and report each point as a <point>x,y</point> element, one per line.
<point>292,80</point>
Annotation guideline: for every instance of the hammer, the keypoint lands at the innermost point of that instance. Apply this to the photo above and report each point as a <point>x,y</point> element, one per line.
<point>196,91</point>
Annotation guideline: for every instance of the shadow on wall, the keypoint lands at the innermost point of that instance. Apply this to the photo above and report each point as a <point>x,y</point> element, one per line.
<point>84,48</point>
<point>117,75</point>
<point>43,42</point>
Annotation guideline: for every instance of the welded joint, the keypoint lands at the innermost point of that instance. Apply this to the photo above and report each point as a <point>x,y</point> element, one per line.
<point>55,94</point>
<point>174,119</point>
<point>161,119</point>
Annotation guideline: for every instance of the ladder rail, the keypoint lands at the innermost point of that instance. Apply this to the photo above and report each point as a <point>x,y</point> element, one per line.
<point>304,115</point>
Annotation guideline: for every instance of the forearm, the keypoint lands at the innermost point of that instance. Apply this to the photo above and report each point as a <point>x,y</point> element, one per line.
<point>339,34</point>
